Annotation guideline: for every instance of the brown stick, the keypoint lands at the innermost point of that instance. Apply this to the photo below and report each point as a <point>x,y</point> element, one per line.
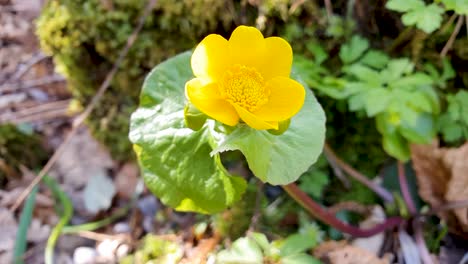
<point>383,193</point>
<point>22,85</point>
<point>79,120</point>
<point>455,32</point>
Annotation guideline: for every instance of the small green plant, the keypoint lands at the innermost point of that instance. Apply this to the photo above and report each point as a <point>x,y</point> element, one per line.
<point>453,124</point>
<point>427,17</point>
<point>255,249</point>
<point>402,100</point>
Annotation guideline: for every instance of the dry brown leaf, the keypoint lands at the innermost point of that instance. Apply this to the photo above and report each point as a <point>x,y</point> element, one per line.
<point>432,176</point>
<point>8,228</point>
<point>338,252</point>
<point>442,175</point>
<point>83,158</point>
<point>457,188</point>
<point>328,246</point>
<point>37,232</point>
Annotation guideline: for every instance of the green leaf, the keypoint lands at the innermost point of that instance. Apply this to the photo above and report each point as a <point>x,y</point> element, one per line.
<point>364,73</point>
<point>297,243</point>
<point>243,251</point>
<point>395,69</point>
<point>375,59</point>
<point>195,182</point>
<point>24,222</point>
<point>376,101</point>
<point>459,6</point>
<point>300,259</point>
<point>320,55</point>
<point>282,159</point>
<point>421,130</point>
<point>351,51</point>
<point>427,18</point>
<point>404,5</point>
<point>396,146</point>
<point>313,182</point>
<point>413,80</point>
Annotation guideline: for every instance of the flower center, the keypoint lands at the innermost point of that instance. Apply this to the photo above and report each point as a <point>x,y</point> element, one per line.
<point>245,87</point>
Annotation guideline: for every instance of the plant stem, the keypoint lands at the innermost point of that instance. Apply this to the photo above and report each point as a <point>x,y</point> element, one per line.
<point>454,34</point>
<point>323,215</point>
<point>401,37</point>
<point>405,190</point>
<point>379,190</point>
<point>420,243</point>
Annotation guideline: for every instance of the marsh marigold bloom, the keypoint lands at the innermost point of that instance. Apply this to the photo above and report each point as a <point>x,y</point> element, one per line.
<point>244,78</point>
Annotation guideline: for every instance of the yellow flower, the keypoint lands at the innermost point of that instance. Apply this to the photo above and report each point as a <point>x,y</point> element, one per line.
<point>245,78</point>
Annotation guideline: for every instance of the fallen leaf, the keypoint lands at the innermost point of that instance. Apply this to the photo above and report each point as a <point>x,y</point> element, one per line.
<point>457,188</point>
<point>8,228</point>
<point>38,232</point>
<point>83,158</point>
<point>338,252</point>
<point>442,177</point>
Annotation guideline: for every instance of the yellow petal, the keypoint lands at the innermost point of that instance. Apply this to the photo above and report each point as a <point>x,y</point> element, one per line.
<point>277,60</point>
<point>207,99</point>
<point>246,46</point>
<point>286,99</point>
<point>210,58</point>
<point>253,121</point>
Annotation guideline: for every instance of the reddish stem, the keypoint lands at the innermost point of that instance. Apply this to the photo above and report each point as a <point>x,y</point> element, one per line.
<point>323,215</point>
<point>405,190</point>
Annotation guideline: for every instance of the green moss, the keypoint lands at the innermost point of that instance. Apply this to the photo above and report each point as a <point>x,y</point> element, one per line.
<point>19,146</point>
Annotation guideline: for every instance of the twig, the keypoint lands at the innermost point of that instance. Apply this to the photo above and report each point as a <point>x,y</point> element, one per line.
<point>379,190</point>
<point>449,43</point>
<point>325,216</point>
<point>329,8</point>
<point>27,66</point>
<point>404,189</point>
<point>420,243</point>
<point>257,209</point>
<point>22,85</point>
<point>337,169</point>
<point>37,112</point>
<point>79,120</point>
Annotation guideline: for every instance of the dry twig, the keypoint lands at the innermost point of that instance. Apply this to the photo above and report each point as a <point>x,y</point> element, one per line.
<point>80,119</point>
<point>455,32</point>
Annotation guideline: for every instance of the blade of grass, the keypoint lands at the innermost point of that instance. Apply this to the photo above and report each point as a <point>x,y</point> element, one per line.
<point>67,211</point>
<point>25,221</point>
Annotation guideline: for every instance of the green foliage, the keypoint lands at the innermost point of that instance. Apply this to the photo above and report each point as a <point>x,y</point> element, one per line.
<point>175,161</point>
<point>255,249</point>
<point>24,222</point>
<point>282,159</point>
<point>458,6</point>
<point>425,17</point>
<point>156,250</point>
<point>402,101</point>
<point>453,124</point>
<point>315,179</point>
<point>19,146</point>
